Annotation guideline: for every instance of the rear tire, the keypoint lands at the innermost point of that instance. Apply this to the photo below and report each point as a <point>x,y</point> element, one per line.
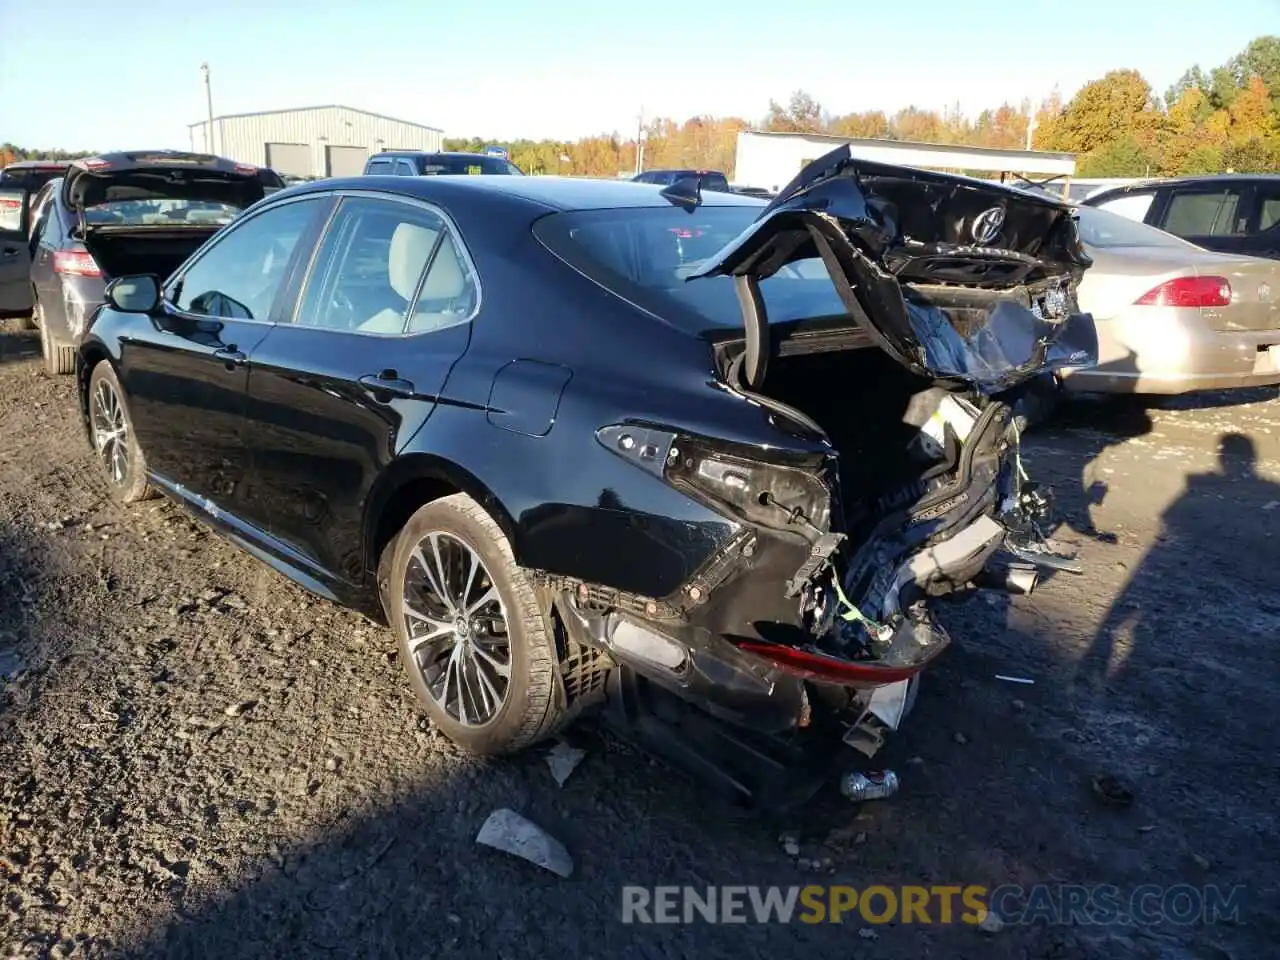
<point>477,646</point>
<point>123,466</point>
<point>59,358</point>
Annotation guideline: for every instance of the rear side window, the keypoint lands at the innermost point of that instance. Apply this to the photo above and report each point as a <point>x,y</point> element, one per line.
<point>378,167</point>
<point>715,181</point>
<point>240,274</point>
<point>371,267</point>
<point>405,168</point>
<point>1203,214</point>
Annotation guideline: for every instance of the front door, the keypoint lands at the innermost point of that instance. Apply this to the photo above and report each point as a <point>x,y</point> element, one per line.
<point>335,395</point>
<point>15,254</point>
<point>186,370</point>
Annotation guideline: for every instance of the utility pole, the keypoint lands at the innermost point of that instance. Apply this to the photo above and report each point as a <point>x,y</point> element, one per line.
<point>208,96</point>
<point>640,142</point>
<point>1031,127</point>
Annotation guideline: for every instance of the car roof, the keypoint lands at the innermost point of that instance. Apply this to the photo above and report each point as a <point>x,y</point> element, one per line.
<point>545,192</point>
<point>431,153</point>
<point>1193,180</point>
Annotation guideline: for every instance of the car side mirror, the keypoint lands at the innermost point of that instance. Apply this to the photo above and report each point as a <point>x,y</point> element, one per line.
<point>140,294</point>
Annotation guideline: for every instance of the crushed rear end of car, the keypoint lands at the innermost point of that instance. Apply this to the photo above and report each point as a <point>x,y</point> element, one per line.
<point>896,478</point>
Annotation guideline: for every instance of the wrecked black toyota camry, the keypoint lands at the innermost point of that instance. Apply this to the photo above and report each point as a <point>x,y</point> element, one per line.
<point>692,461</point>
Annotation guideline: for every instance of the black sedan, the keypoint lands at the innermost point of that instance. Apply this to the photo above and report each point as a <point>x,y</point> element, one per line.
<point>696,460</point>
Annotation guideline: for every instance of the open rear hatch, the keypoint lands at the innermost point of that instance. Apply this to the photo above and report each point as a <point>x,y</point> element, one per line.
<point>956,279</point>
<point>147,211</point>
<point>970,289</point>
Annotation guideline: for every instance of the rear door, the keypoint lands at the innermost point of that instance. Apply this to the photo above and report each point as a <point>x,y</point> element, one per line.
<point>186,372</point>
<point>15,253</point>
<point>1213,216</point>
<point>334,395</point>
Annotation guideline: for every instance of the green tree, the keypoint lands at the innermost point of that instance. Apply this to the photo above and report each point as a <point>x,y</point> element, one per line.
<point>1255,155</point>
<point>1118,158</point>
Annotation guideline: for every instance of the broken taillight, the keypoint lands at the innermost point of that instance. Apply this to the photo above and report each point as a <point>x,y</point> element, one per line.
<point>75,263</point>
<point>824,669</point>
<point>728,478</point>
<point>1189,292</point>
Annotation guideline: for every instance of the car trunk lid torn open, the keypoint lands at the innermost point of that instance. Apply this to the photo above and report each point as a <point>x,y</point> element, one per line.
<point>967,289</point>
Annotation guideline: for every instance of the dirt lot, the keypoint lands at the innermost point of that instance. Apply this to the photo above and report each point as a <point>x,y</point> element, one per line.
<point>199,759</point>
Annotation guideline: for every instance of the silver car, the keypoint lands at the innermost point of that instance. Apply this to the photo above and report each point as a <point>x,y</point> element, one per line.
<point>1172,317</point>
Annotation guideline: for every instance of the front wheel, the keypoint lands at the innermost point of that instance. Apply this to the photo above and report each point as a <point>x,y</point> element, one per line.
<point>111,428</point>
<point>476,644</point>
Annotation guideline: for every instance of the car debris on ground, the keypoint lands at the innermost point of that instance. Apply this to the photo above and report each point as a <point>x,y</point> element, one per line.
<point>511,833</point>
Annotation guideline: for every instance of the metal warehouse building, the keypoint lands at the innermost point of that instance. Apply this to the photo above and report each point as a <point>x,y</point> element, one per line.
<point>330,141</point>
<point>768,159</point>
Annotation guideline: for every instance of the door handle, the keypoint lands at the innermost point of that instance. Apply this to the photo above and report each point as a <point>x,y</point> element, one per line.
<point>230,356</point>
<point>8,254</point>
<point>388,381</point>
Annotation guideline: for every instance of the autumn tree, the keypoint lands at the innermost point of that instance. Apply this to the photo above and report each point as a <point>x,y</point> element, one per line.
<point>1118,107</point>
<point>802,114</point>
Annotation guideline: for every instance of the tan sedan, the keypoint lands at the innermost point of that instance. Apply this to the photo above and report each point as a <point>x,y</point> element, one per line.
<point>1173,317</point>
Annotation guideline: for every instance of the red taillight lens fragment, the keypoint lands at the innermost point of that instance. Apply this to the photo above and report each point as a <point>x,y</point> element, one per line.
<point>75,263</point>
<point>824,669</point>
<point>1189,292</point>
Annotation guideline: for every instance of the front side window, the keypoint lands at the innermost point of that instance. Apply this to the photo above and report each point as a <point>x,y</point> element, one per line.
<point>405,169</point>
<point>1203,214</point>
<point>379,167</point>
<point>371,267</point>
<point>239,276</point>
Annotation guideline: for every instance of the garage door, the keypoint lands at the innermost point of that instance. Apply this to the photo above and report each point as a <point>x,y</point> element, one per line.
<point>290,158</point>
<point>345,161</point>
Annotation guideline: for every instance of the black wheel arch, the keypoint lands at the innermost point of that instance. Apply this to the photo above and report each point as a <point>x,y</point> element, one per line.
<point>415,479</point>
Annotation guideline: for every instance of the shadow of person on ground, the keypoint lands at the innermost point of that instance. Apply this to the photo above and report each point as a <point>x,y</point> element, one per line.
<point>1216,552</point>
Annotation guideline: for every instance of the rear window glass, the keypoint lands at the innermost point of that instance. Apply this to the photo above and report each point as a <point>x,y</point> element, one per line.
<point>1131,205</point>
<point>160,212</point>
<point>451,166</point>
<point>1105,230</point>
<point>646,254</point>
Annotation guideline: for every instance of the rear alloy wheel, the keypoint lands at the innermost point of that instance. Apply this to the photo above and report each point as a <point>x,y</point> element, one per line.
<point>59,358</point>
<point>472,636</point>
<point>113,440</point>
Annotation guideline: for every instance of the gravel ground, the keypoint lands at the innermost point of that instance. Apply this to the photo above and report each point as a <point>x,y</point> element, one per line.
<point>199,759</point>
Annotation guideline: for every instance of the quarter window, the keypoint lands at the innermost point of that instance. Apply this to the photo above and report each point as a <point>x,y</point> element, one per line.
<point>1209,214</point>
<point>242,272</point>
<point>1268,207</point>
<point>371,267</point>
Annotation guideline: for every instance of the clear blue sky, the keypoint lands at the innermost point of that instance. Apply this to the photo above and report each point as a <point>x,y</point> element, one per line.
<point>117,73</point>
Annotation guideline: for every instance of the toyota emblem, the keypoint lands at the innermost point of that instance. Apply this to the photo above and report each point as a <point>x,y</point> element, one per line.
<point>987,224</point>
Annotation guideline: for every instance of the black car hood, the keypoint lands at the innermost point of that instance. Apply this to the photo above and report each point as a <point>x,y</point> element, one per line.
<point>161,175</point>
<point>955,278</point>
